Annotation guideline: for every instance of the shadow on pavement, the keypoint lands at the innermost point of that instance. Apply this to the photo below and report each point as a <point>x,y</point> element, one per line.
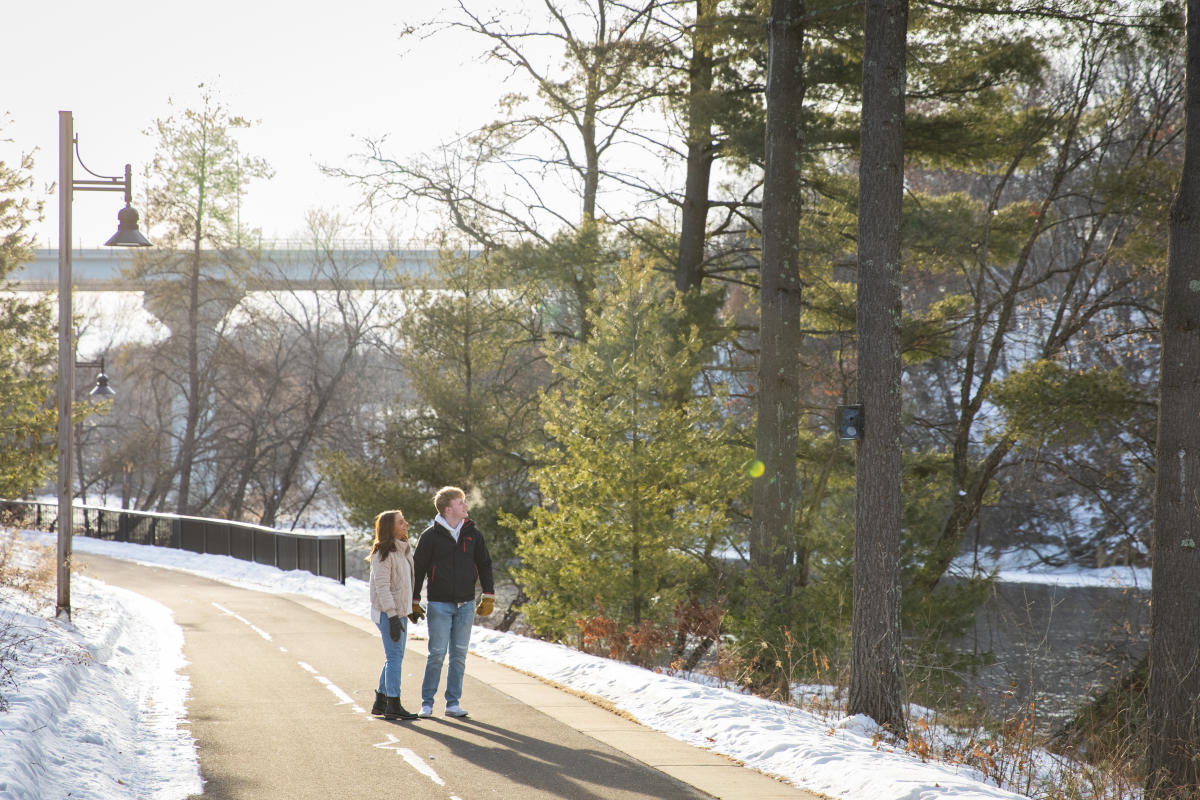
<point>547,767</point>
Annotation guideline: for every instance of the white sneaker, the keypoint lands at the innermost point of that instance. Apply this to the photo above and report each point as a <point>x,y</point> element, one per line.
<point>454,710</point>
<point>426,712</point>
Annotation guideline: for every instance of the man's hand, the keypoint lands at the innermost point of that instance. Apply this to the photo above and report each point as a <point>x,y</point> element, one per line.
<point>487,604</point>
<point>395,628</point>
<point>418,613</point>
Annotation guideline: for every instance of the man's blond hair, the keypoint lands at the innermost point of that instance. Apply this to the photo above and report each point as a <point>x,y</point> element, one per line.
<point>445,496</point>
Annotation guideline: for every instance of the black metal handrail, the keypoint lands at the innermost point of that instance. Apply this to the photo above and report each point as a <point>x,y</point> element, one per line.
<point>321,554</point>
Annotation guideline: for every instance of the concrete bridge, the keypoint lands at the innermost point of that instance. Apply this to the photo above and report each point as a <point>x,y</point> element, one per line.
<point>106,269</point>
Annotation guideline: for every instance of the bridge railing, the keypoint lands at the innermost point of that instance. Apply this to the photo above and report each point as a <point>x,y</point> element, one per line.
<point>105,269</point>
<point>320,554</point>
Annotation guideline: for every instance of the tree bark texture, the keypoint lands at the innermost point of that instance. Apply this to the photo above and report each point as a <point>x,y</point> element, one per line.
<point>875,677</point>
<point>777,438</point>
<point>689,271</point>
<point>1173,694</point>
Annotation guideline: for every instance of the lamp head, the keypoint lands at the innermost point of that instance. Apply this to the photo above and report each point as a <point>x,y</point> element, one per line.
<point>102,390</point>
<point>127,234</point>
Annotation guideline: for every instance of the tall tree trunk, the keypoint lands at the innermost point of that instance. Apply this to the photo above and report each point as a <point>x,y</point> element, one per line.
<point>1173,694</point>
<point>587,131</point>
<point>689,272</point>
<point>772,532</point>
<point>187,446</point>
<point>591,175</point>
<point>875,677</point>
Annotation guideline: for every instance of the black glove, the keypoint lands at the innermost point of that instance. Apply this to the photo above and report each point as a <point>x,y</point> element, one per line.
<point>395,628</point>
<point>418,613</point>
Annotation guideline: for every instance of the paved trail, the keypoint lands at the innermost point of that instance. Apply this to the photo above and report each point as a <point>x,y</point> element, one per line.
<point>281,688</point>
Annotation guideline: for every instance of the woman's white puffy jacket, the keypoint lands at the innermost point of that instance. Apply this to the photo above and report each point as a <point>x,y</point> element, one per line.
<point>391,581</point>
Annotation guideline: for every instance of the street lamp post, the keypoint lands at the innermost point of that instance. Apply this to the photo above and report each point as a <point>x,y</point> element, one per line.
<point>127,235</point>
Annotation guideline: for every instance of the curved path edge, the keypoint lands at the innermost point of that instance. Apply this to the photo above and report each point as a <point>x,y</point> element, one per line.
<point>711,773</point>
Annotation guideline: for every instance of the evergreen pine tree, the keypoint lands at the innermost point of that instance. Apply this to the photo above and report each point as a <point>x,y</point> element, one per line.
<point>27,347</point>
<point>636,486</point>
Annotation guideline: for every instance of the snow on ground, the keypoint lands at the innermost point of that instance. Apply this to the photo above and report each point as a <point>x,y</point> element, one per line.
<point>97,705</point>
<point>1021,567</point>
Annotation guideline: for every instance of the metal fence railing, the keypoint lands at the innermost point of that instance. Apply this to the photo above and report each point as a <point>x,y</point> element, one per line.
<point>320,554</point>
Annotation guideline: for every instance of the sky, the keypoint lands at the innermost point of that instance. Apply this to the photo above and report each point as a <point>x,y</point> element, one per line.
<point>318,78</point>
<point>122,713</point>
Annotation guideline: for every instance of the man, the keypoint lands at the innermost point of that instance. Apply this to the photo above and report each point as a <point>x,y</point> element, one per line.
<point>452,554</point>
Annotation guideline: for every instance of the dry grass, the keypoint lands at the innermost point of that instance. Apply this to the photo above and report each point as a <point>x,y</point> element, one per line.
<point>1009,753</point>
<point>27,571</point>
<point>1004,746</point>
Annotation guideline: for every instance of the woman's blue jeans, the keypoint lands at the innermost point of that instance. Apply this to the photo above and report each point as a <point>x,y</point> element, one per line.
<point>393,655</point>
<point>449,630</point>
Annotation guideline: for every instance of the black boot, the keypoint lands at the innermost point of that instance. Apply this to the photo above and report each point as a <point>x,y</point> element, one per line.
<point>379,707</point>
<point>393,710</point>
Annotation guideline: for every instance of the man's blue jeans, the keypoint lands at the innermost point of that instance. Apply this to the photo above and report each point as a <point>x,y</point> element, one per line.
<point>393,654</point>
<point>449,629</point>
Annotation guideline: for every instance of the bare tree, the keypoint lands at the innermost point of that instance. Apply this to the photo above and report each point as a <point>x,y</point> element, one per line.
<point>294,368</point>
<point>585,63</point>
<point>193,198</point>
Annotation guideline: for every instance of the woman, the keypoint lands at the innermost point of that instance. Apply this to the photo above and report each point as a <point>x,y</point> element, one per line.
<point>391,602</point>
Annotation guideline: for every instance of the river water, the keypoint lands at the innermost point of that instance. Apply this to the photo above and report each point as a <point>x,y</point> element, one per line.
<point>1056,646</point>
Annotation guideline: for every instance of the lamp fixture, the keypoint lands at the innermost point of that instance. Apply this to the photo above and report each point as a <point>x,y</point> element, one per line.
<point>127,234</point>
<point>101,391</point>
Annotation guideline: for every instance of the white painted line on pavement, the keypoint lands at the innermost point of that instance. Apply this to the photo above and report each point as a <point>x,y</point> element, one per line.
<point>414,760</point>
<point>344,698</point>
<point>240,618</point>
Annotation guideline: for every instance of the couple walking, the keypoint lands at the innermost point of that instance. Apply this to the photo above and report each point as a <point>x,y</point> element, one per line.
<point>451,554</point>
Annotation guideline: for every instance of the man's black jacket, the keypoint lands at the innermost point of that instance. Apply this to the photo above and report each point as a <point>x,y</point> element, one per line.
<point>452,567</point>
